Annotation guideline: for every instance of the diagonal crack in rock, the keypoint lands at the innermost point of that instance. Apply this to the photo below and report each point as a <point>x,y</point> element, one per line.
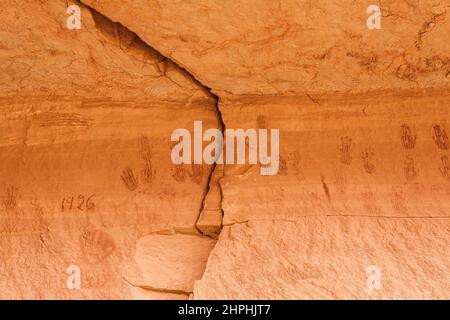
<point>164,60</point>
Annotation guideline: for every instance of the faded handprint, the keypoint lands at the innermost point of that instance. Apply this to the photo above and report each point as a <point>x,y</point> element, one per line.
<point>346,149</point>
<point>440,137</point>
<point>197,173</point>
<point>366,157</point>
<point>179,173</point>
<point>410,169</point>
<point>10,199</point>
<point>283,169</point>
<point>408,137</point>
<point>445,167</point>
<point>129,179</point>
<point>146,156</point>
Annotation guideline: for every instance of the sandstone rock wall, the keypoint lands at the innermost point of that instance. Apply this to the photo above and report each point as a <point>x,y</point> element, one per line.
<point>86,175</point>
<point>281,47</point>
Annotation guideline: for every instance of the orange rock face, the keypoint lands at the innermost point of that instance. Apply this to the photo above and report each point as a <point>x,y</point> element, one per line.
<point>319,257</point>
<point>86,176</point>
<point>93,205</point>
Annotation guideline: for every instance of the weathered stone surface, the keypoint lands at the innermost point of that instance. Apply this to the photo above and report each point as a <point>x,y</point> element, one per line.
<point>85,173</point>
<point>328,257</point>
<point>362,156</point>
<point>279,47</point>
<point>86,178</point>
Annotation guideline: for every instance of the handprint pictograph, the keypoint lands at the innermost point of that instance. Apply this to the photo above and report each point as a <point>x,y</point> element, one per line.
<point>408,137</point>
<point>10,199</point>
<point>346,149</point>
<point>129,179</point>
<point>410,169</point>
<point>445,167</point>
<point>283,169</point>
<point>179,173</point>
<point>197,173</point>
<point>366,157</point>
<point>146,156</point>
<point>440,137</point>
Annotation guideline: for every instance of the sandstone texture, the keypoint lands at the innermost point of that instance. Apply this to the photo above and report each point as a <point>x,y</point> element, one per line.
<point>280,47</point>
<point>350,156</point>
<point>327,258</point>
<point>86,177</point>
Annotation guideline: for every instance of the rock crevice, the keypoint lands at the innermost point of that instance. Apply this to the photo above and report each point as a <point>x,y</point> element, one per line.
<point>209,221</point>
